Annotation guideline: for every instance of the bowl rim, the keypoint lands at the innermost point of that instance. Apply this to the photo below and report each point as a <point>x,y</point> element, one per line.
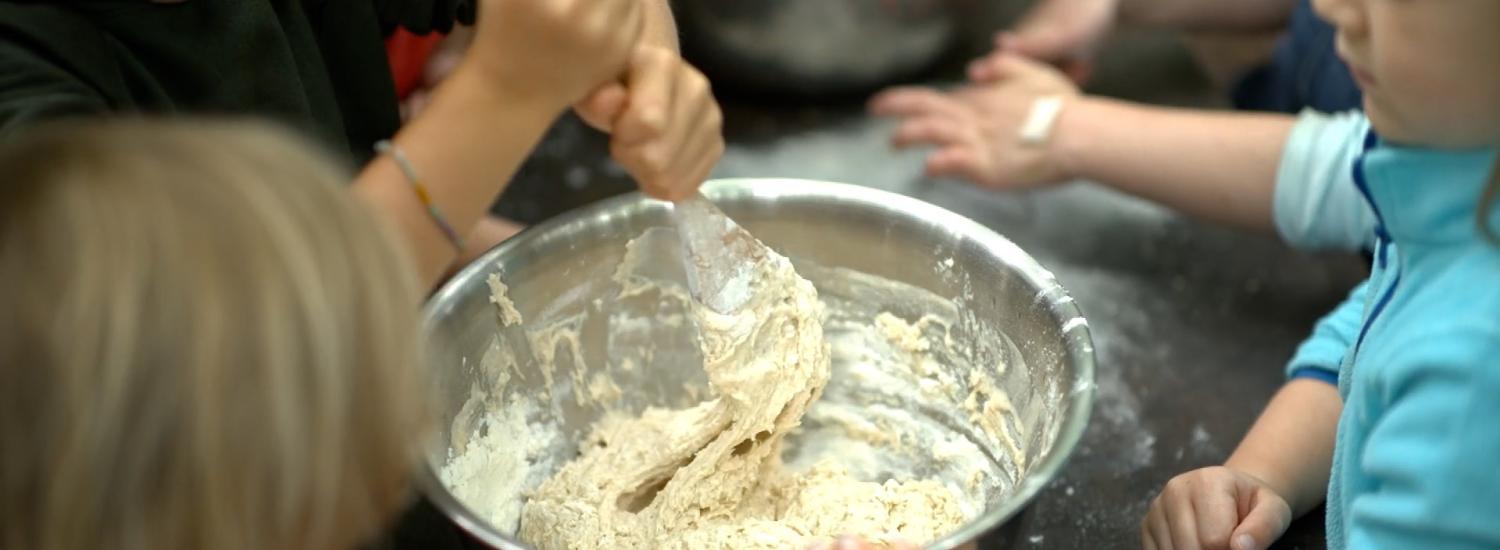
<point>1077,339</point>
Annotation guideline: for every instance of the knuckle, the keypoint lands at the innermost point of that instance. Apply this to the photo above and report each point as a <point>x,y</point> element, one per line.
<point>658,56</point>
<point>652,121</point>
<point>715,119</point>
<point>697,83</point>
<point>1175,484</point>
<point>1216,476</point>
<point>641,161</point>
<point>654,159</point>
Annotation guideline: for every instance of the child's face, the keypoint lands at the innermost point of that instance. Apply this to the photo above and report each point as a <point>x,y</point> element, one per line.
<point>1430,69</point>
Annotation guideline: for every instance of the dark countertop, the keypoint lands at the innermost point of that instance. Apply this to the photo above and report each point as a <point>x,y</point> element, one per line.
<point>1192,323</point>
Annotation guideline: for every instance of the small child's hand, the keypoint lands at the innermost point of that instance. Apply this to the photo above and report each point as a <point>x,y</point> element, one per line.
<point>1215,508</point>
<point>1062,32</point>
<point>554,51</point>
<point>977,130</point>
<point>665,126</point>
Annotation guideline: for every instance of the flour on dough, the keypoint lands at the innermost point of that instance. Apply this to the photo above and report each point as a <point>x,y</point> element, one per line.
<point>494,468</point>
<point>710,476</point>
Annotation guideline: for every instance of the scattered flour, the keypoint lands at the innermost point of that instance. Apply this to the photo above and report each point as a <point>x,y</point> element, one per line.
<point>495,468</point>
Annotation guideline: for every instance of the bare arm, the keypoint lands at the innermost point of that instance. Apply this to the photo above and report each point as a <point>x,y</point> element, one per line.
<point>1290,447</point>
<point>1208,15</point>
<point>467,144</point>
<point>1215,165</point>
<point>521,70</point>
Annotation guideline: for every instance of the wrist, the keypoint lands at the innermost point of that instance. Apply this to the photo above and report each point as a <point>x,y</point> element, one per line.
<point>1268,476</point>
<point>479,88</point>
<point>1070,141</point>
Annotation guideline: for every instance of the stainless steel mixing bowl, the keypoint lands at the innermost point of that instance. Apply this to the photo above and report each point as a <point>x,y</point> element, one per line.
<point>564,265</point>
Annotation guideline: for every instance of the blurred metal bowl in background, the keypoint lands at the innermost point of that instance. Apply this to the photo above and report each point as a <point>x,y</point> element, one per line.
<point>563,267</point>
<point>815,47</point>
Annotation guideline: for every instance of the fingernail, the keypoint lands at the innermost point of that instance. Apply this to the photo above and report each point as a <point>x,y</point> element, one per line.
<point>847,542</point>
<point>1244,542</point>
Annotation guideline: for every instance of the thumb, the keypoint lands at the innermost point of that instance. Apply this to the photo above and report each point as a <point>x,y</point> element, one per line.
<point>603,106</point>
<point>998,66</point>
<point>1266,520</point>
<point>988,69</point>
<point>1079,71</point>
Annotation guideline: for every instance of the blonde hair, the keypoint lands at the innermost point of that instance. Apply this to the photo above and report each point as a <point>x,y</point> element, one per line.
<point>204,343</point>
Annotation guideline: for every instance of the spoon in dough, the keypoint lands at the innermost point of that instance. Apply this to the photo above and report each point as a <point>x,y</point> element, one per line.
<point>717,253</point>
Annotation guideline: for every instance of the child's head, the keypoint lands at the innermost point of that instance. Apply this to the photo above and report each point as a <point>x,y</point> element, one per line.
<point>1430,69</point>
<point>204,343</point>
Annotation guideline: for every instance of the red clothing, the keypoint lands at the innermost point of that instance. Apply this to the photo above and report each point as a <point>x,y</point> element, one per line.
<point>408,54</point>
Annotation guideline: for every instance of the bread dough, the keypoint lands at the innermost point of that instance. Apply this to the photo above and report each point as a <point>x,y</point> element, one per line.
<point>499,295</point>
<point>711,476</point>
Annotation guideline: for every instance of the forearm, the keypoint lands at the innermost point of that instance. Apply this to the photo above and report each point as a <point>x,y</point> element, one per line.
<point>467,145</point>
<point>1290,447</point>
<point>1208,15</point>
<point>660,27</point>
<point>1219,166</point>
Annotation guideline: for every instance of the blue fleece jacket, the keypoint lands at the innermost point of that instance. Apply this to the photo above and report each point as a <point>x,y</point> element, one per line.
<point>1415,350</point>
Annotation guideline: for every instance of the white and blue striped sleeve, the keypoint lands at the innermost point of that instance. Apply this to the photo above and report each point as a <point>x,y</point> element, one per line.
<point>1316,204</point>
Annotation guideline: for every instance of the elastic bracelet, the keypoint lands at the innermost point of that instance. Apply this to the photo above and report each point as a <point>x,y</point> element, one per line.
<point>1038,126</point>
<point>385,147</point>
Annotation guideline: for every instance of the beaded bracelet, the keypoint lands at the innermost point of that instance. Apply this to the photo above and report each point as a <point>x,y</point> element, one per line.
<point>385,147</point>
